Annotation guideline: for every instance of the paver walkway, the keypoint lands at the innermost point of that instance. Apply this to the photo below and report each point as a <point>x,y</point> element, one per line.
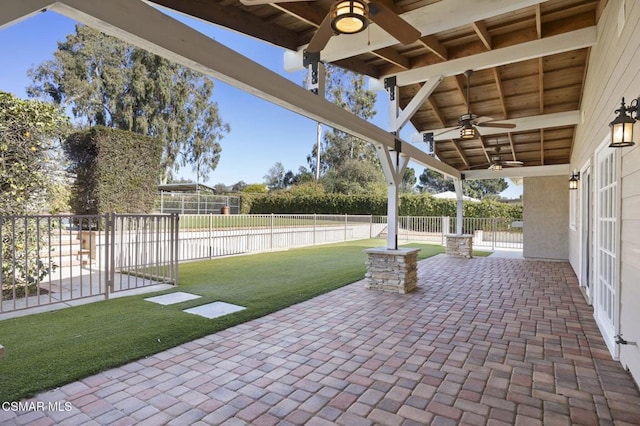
<point>482,341</point>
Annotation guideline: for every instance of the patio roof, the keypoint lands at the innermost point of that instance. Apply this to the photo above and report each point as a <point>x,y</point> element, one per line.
<point>529,59</point>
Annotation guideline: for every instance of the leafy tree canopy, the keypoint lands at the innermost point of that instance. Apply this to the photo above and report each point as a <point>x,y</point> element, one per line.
<point>434,183</point>
<point>107,82</point>
<point>29,134</point>
<point>347,90</point>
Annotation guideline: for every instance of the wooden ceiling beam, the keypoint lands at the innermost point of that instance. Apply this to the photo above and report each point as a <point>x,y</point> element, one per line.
<point>436,110</point>
<point>434,18</point>
<point>304,11</point>
<point>464,158</point>
<point>434,45</point>
<point>560,43</point>
<point>513,148</point>
<point>538,22</point>
<point>541,85</point>
<point>498,80</point>
<point>542,147</point>
<point>389,54</point>
<point>480,29</point>
<point>235,19</point>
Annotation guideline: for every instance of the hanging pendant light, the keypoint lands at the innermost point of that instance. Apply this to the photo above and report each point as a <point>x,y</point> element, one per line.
<point>349,16</point>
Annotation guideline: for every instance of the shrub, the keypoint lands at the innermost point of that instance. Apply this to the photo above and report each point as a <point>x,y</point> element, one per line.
<point>116,171</point>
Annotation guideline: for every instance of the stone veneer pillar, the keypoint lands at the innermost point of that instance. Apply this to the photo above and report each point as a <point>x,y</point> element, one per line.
<point>392,270</point>
<point>459,245</point>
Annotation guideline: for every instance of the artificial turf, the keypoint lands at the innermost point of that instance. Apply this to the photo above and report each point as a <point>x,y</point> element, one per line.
<point>47,350</point>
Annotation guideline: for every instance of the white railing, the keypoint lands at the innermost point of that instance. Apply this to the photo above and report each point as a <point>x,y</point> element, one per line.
<point>207,236</point>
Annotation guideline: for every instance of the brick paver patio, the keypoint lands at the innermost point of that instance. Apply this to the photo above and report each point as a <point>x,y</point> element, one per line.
<point>482,341</point>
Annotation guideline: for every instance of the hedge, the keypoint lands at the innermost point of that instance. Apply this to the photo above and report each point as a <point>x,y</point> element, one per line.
<point>409,205</point>
<point>116,171</point>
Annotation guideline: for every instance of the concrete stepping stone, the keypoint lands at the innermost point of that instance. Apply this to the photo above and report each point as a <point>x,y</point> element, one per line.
<point>173,298</point>
<point>214,310</point>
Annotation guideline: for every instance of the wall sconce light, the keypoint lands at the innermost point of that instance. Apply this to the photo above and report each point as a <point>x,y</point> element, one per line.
<point>349,16</point>
<point>573,180</point>
<point>622,125</point>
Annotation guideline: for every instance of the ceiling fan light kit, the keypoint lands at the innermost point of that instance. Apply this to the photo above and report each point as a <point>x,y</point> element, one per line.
<point>468,132</point>
<point>349,16</point>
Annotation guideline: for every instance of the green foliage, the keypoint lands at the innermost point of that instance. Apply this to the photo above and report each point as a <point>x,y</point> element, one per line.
<point>433,182</point>
<point>116,171</point>
<point>347,90</point>
<point>256,188</point>
<point>375,204</point>
<point>107,82</point>
<point>28,132</point>
<point>353,177</point>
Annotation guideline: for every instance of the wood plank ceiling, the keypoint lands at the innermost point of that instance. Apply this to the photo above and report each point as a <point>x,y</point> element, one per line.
<point>538,86</point>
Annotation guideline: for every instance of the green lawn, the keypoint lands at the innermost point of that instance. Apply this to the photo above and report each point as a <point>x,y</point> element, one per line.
<point>47,350</point>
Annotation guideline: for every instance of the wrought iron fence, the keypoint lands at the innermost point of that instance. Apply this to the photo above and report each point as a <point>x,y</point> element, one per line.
<point>55,259</point>
<point>196,203</point>
<point>207,236</point>
<point>58,259</point>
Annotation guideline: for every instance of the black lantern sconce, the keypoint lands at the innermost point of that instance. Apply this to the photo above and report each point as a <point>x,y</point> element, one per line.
<point>622,125</point>
<point>573,180</point>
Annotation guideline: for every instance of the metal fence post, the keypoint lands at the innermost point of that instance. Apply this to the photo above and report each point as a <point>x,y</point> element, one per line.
<point>175,255</point>
<point>493,233</point>
<point>345,226</point>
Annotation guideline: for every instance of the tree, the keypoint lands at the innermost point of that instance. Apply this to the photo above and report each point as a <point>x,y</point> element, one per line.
<point>347,90</point>
<point>107,82</point>
<point>29,135</point>
<point>408,181</point>
<point>276,177</point>
<point>434,183</point>
<point>355,177</point>
<point>239,186</point>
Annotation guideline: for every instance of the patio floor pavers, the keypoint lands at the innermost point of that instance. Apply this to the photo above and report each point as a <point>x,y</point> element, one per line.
<point>481,341</point>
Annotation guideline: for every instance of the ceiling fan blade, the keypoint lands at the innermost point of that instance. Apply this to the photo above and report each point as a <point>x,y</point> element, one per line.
<point>496,125</point>
<point>259,2</point>
<point>322,36</point>
<point>513,163</point>
<point>389,21</point>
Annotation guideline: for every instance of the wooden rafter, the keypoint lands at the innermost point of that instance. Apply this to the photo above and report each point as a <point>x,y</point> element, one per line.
<point>235,18</point>
<point>513,148</point>
<point>542,147</point>
<point>436,110</point>
<point>437,48</point>
<point>464,158</point>
<point>481,30</point>
<point>391,55</point>
<point>305,11</point>
<point>498,80</point>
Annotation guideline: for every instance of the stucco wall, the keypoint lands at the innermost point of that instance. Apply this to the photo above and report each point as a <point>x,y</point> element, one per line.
<point>546,218</point>
<point>614,72</point>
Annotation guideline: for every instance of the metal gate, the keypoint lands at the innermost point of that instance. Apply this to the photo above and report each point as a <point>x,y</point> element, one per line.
<point>59,259</point>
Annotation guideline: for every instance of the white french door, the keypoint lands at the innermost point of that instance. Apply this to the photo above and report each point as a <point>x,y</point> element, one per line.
<point>586,233</point>
<point>606,254</point>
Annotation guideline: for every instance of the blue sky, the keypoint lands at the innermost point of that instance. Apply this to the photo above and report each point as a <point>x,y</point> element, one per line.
<point>261,133</point>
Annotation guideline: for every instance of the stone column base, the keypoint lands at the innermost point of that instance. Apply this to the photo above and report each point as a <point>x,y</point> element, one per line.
<point>459,245</point>
<point>392,270</point>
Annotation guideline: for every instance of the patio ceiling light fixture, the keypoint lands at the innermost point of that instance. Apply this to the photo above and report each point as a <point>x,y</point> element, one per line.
<point>622,125</point>
<point>468,131</point>
<point>573,180</point>
<point>349,16</point>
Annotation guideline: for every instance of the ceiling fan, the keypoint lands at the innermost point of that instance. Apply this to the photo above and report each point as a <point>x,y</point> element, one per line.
<point>351,17</point>
<point>468,122</point>
<point>497,162</point>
